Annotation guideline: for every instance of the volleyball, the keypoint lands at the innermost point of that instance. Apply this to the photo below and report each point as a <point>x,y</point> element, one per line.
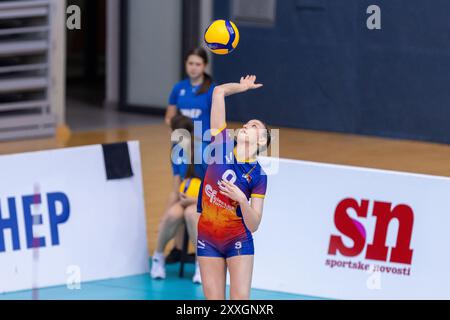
<point>222,36</point>
<point>190,187</point>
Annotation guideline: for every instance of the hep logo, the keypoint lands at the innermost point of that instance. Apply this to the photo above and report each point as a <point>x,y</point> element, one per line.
<point>377,250</point>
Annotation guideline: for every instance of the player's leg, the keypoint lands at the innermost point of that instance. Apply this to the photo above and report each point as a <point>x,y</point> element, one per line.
<point>241,270</point>
<point>191,217</point>
<point>213,273</point>
<point>239,254</point>
<point>170,221</point>
<point>175,253</point>
<point>173,198</point>
<point>179,237</point>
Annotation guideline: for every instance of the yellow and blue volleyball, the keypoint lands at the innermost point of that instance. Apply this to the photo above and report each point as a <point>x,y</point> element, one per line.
<point>190,187</point>
<point>222,37</point>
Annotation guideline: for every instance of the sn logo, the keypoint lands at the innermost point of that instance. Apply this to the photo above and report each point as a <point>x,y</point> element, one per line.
<point>377,250</point>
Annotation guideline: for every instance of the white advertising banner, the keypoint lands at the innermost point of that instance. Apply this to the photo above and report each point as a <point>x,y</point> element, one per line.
<point>353,233</point>
<point>63,222</point>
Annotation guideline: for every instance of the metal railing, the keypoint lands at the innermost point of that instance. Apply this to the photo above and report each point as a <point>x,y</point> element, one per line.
<point>25,55</point>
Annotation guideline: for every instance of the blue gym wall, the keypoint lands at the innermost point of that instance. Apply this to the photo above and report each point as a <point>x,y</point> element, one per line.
<point>323,69</point>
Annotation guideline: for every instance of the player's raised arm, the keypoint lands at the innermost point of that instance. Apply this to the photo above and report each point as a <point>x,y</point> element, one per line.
<point>218,114</point>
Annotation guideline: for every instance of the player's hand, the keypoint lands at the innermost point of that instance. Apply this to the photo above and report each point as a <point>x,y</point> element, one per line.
<point>185,200</point>
<point>232,191</point>
<point>249,82</point>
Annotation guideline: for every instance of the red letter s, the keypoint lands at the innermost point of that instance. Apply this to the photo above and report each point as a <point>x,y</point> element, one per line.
<point>349,227</point>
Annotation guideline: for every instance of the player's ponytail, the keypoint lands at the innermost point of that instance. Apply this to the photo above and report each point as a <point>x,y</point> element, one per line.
<point>207,82</point>
<point>268,140</point>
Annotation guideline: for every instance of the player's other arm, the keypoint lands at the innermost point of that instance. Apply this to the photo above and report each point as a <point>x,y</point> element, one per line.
<point>252,213</point>
<point>171,111</point>
<point>218,114</point>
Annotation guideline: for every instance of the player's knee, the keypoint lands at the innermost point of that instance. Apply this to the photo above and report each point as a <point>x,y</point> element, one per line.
<point>191,215</point>
<point>239,294</point>
<point>173,216</point>
<point>212,293</point>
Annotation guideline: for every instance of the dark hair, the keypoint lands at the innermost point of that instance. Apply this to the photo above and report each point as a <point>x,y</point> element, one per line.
<point>207,79</point>
<point>268,138</point>
<point>180,121</point>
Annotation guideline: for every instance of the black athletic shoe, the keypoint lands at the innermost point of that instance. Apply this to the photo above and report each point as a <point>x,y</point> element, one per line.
<point>174,256</point>
<point>190,258</point>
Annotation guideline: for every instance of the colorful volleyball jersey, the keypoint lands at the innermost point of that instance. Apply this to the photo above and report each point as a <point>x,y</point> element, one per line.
<point>221,222</point>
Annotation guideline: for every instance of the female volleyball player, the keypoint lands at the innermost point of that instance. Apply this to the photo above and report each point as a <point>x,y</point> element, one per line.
<point>227,218</point>
<point>184,209</point>
<point>191,97</point>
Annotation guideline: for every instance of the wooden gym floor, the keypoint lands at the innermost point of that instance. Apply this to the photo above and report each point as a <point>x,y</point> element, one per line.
<point>399,155</point>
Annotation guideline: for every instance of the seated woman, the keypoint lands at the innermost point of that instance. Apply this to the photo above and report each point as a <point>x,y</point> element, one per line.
<point>184,208</point>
